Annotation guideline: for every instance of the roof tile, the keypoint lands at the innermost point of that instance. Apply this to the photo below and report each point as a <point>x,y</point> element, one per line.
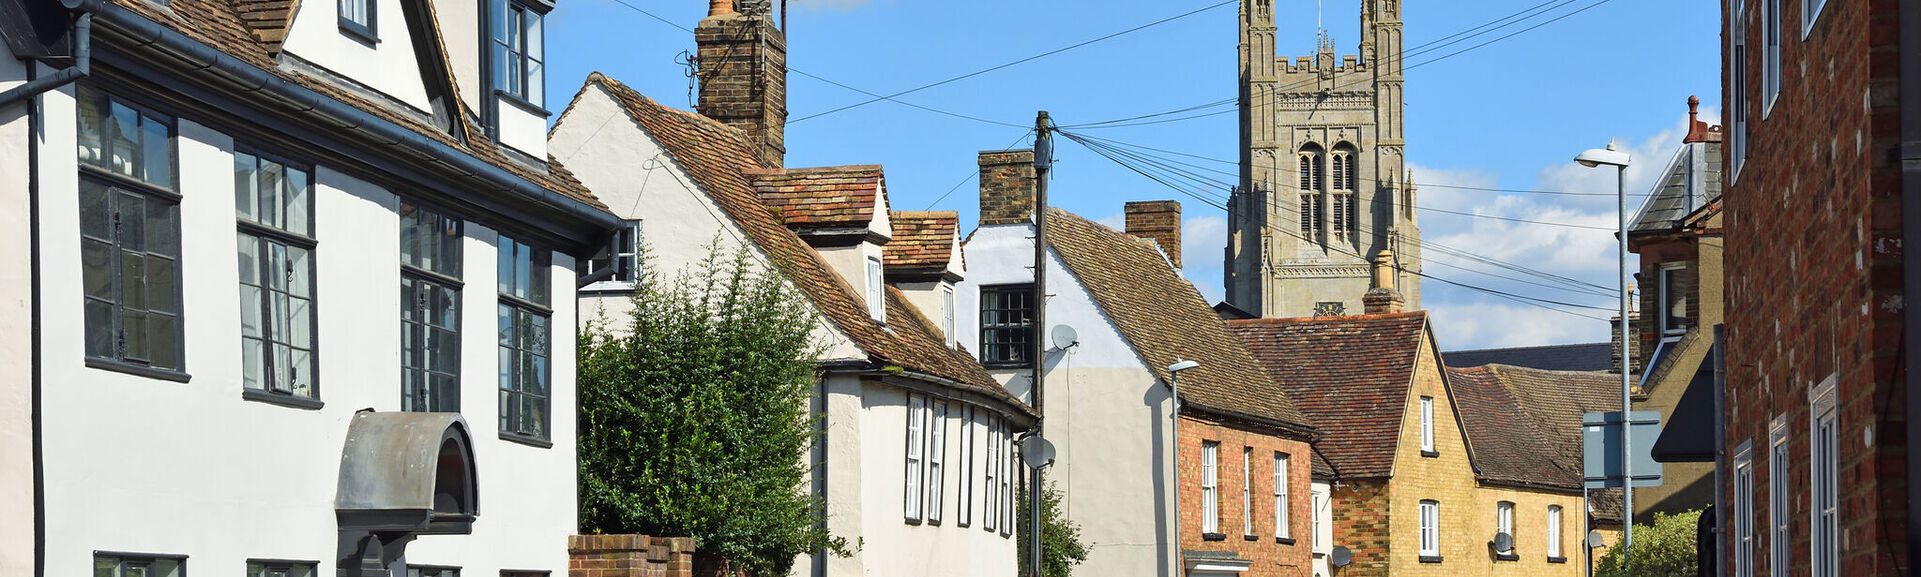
<point>1350,374</point>
<point>921,239</point>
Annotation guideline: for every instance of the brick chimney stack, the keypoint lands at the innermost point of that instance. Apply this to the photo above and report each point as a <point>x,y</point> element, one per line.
<point>1158,221</point>
<point>1383,298</point>
<point>742,67</point>
<point>1007,186</point>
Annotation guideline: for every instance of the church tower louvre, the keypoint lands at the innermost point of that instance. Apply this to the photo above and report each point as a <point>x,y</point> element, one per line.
<point>1324,186</point>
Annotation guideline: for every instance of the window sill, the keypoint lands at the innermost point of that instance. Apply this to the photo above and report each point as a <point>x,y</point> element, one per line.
<point>911,520</point>
<point>1213,537</point>
<point>609,287</point>
<point>522,104</point>
<point>1007,365</point>
<point>1430,558</point>
<point>1284,540</point>
<point>1557,559</point>
<point>357,32</point>
<point>1506,557</point>
<point>1430,454</point>
<point>1250,537</point>
<point>527,440</point>
<point>282,400</point>
<point>138,370</point>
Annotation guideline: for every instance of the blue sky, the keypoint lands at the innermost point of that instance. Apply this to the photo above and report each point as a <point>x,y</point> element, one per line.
<point>1508,115</point>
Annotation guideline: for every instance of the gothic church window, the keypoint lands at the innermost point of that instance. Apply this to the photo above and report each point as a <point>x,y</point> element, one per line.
<point>1344,184</point>
<point>1313,171</point>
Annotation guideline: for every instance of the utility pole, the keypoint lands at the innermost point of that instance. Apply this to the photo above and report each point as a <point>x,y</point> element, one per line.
<point>1043,160</point>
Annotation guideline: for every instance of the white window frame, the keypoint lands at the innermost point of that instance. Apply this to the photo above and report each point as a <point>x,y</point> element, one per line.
<point>1744,538</point>
<point>936,461</point>
<point>1210,489</point>
<point>1247,491</point>
<point>1737,51</point>
<point>966,492</point>
<point>1669,333</point>
<point>1322,518</point>
<point>947,315</point>
<point>1281,470</point>
<point>876,291</point>
<point>1779,465</point>
<point>1504,523</point>
<point>1824,463</point>
<point>624,259</point>
<point>1430,528</point>
<point>1554,531</point>
<point>1810,15</point>
<point>1771,27</point>
<point>916,447</point>
<point>990,510</point>
<point>1427,424</point>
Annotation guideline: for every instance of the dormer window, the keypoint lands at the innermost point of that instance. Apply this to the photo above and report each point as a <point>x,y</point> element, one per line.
<point>876,291</point>
<point>517,51</point>
<point>947,314</point>
<point>357,19</point>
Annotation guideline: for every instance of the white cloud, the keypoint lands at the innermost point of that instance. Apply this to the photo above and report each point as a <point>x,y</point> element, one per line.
<point>1487,325</point>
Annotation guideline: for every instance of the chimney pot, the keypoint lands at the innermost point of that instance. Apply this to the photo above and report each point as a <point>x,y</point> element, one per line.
<point>1158,221</point>
<point>1383,298</point>
<point>720,7</point>
<point>742,69</point>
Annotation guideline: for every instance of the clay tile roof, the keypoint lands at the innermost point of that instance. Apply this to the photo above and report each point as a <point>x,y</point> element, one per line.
<point>921,239</point>
<point>1166,321</point>
<point>1555,401</point>
<point>835,196</point>
<point>268,20</point>
<point>1350,374</point>
<point>1507,446</point>
<point>718,159</point>
<point>230,26</point>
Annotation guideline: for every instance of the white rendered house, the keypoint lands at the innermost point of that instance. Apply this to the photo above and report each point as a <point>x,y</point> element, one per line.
<point>301,296</point>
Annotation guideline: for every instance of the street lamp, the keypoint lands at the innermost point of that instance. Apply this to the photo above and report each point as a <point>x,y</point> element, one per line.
<point>1174,425</point>
<point>1619,160</point>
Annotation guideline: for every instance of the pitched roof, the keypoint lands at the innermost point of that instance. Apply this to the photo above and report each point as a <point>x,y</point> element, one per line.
<point>1166,321</point>
<point>1506,449</point>
<point>229,26</point>
<point>718,159</point>
<point>1688,182</point>
<point>1579,357</point>
<point>1555,402</point>
<point>921,239</point>
<point>834,196</point>
<point>268,20</point>
<point>1350,374</point>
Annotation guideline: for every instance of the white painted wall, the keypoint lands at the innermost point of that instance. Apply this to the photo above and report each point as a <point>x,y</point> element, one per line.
<point>153,466</point>
<point>1107,415</point>
<point>387,66</point>
<point>16,344</point>
<point>460,33</point>
<point>1322,503</point>
<point>523,130</point>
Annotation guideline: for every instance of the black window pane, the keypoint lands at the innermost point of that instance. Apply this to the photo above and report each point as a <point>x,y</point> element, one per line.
<point>96,214</point>
<point>164,347</point>
<point>159,282</point>
<point>96,262</point>
<point>1006,324</point>
<point>100,334</point>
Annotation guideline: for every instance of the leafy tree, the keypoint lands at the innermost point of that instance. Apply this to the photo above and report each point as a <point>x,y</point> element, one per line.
<point>1061,547</point>
<point>1663,550</point>
<point>694,419</point>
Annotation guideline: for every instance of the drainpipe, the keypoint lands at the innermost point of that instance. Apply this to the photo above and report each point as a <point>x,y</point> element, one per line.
<point>82,54</point>
<point>1909,19</point>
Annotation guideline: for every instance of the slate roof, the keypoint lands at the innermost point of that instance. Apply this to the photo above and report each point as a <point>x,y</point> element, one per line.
<point>718,159</point>
<point>1554,401</point>
<point>230,26</point>
<point>1507,447</point>
<point>1671,200</point>
<point>1579,357</point>
<point>921,239</point>
<point>1166,321</point>
<point>835,196</point>
<point>1350,374</point>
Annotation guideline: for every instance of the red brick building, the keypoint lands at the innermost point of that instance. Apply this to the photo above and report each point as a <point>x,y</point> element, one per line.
<point>1815,465</point>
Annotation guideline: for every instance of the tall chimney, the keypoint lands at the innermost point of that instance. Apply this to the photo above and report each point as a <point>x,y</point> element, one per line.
<point>1383,298</point>
<point>742,67</point>
<point>1158,221</point>
<point>1007,186</point>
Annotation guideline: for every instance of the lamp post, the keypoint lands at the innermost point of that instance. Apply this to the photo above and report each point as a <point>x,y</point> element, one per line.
<point>1174,426</point>
<point>1619,160</point>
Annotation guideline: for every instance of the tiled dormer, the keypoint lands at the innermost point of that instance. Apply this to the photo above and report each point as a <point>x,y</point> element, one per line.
<point>841,212</point>
<point>924,261</point>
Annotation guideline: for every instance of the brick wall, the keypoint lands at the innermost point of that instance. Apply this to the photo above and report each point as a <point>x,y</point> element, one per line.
<point>1447,478</point>
<point>1271,556</point>
<point>629,556</point>
<point>1813,281</point>
<point>1159,221</point>
<point>1359,511</point>
<point>743,78</point>
<point>1007,186</point>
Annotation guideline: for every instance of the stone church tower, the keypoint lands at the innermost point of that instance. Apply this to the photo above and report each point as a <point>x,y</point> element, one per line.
<point>1324,184</point>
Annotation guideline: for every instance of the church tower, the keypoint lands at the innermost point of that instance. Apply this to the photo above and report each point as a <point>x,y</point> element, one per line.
<point>1324,182</point>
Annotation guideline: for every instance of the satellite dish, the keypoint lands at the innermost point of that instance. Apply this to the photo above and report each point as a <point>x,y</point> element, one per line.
<point>1037,452</point>
<point>1593,539</point>
<point>1065,336</point>
<point>1340,556</point>
<point>1503,542</point>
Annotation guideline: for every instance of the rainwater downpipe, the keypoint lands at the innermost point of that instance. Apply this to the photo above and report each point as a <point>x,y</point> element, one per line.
<point>82,54</point>
<point>1909,25</point>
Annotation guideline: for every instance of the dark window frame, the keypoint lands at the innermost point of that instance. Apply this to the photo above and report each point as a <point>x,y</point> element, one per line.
<point>513,395</point>
<point>114,189</point>
<point>364,31</point>
<point>997,337</point>
<point>313,567</point>
<point>146,559</point>
<point>514,87</point>
<point>438,570</point>
<point>414,276</point>
<point>624,259</point>
<point>268,235</point>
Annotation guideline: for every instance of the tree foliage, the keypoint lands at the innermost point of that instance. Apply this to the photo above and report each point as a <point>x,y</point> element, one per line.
<point>694,415</point>
<point>1061,547</point>
<point>1662,550</point>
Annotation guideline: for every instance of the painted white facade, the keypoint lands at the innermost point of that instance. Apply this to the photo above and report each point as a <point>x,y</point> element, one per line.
<point>16,343</point>
<point>388,66</point>
<point>1107,414</point>
<point>864,456</point>
<point>1323,506</point>
<point>144,465</point>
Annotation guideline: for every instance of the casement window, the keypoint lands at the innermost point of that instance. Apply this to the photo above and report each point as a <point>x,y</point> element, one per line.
<point>129,237</point>
<point>273,202</point>
<point>936,461</point>
<point>1810,14</point>
<point>1744,534</point>
<point>966,502</point>
<point>430,252</point>
<point>517,48</point>
<point>1430,529</point>
<point>432,571</point>
<point>1210,488</point>
<point>1554,533</point>
<point>947,315</point>
<point>1504,523</point>
<point>1770,54</point>
<point>1322,518</point>
<point>118,565</point>
<point>1427,427</point>
<point>916,447</point>
<point>1247,491</point>
<point>357,19</point>
<point>525,332</point>
<point>1281,528</point>
<point>1674,301</point>
<point>1824,462</point>
<point>624,259</point>
<point>876,291</point>
<point>277,568</point>
<point>1778,513</point>
<point>1007,325</point>
<point>1737,51</point>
